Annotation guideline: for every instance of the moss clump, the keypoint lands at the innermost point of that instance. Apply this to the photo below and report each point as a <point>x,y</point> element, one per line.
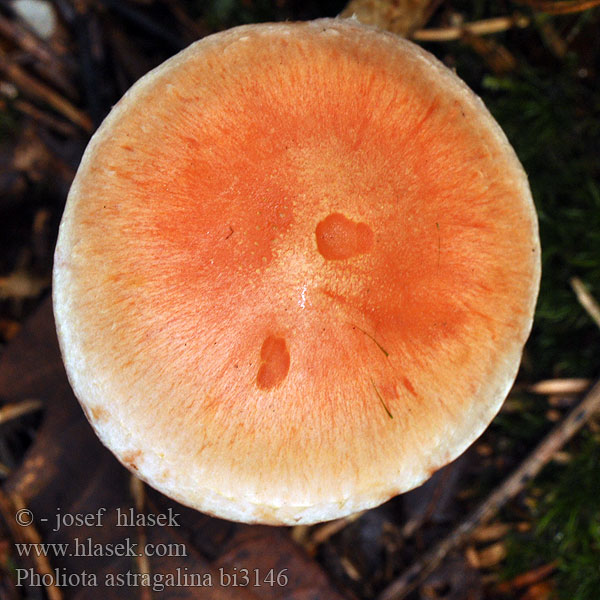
<point>552,121</point>
<point>566,526</point>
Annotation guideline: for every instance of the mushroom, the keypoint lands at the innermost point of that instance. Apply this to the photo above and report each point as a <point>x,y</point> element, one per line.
<point>295,272</point>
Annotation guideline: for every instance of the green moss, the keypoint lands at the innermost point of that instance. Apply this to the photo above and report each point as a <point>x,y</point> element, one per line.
<point>523,425</point>
<point>566,526</point>
<point>550,111</point>
<point>552,121</point>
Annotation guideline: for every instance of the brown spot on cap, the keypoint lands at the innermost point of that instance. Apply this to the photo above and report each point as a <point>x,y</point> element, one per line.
<point>98,413</point>
<point>339,238</point>
<point>131,458</point>
<point>275,363</point>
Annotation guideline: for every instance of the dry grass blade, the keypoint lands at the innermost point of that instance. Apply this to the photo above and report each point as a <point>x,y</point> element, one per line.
<point>25,40</point>
<point>9,505</point>
<point>491,555</point>
<point>138,493</point>
<point>561,7</point>
<point>483,27</point>
<point>46,61</point>
<point>586,300</point>
<point>63,127</point>
<point>20,284</point>
<point>29,85</point>
<point>552,37</point>
<point>529,578</point>
<point>497,56</point>
<point>491,533</point>
<point>550,387</point>
<point>328,530</point>
<point>8,412</point>
<point>507,490</point>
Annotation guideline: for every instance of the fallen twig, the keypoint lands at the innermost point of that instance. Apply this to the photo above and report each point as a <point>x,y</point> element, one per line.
<point>10,506</point>
<point>29,85</point>
<point>25,40</point>
<point>528,578</point>
<point>483,27</point>
<point>21,284</point>
<point>552,37</point>
<point>507,490</point>
<point>65,128</point>
<point>561,7</point>
<point>11,411</point>
<point>498,57</point>
<point>550,387</point>
<point>328,530</point>
<point>586,299</point>
<point>136,486</point>
<point>417,520</point>
<point>46,61</point>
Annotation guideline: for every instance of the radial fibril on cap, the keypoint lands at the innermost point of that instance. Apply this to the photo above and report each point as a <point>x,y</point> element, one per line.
<point>296,271</point>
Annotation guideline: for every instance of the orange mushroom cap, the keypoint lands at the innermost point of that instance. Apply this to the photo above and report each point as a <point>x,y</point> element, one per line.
<point>296,271</point>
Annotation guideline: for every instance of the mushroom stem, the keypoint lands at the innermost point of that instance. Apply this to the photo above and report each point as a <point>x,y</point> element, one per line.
<point>398,16</point>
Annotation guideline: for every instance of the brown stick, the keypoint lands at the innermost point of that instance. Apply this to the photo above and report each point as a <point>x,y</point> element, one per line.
<point>14,410</point>
<point>138,493</point>
<point>30,85</point>
<point>326,531</point>
<point>56,124</point>
<point>562,7</point>
<point>25,40</point>
<point>528,578</point>
<point>47,63</point>
<point>507,490</point>
<point>552,387</point>
<point>586,299</point>
<point>483,27</point>
<point>9,505</point>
